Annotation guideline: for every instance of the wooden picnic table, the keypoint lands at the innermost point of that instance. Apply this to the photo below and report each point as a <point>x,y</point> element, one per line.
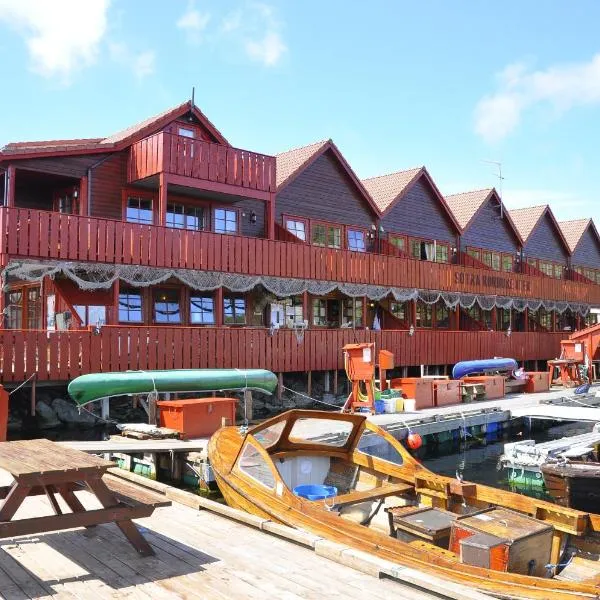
<point>44,467</point>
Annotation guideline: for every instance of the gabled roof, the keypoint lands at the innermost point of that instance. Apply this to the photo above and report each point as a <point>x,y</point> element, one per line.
<point>293,162</point>
<point>574,230</point>
<point>527,219</point>
<point>466,205</point>
<point>388,189</point>
<point>113,142</point>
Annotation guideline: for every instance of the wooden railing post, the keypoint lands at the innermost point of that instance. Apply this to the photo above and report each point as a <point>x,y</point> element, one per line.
<point>10,185</point>
<point>162,199</point>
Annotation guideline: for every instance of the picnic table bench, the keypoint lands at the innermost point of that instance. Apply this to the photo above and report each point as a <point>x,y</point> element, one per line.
<point>43,467</point>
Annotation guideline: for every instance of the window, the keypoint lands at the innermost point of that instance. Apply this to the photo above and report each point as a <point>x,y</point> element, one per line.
<point>68,202</point>
<point>185,132</point>
<point>34,308</point>
<point>130,307</point>
<point>502,319</point>
<point>180,216</point>
<point>253,464</point>
<point>559,271</point>
<point>269,436</point>
<point>507,263</point>
<point>495,261</point>
<point>377,446</point>
<point>202,310</point>
<point>139,210</point>
<point>166,306</point>
<point>356,240</point>
<point>225,220</point>
<point>442,315</point>
<point>474,253</point>
<point>234,308</point>
<point>424,314</point>
<point>14,310</point>
<point>293,309</point>
<point>326,235</point>
<point>91,315</point>
<point>353,312</point>
<point>399,241</point>
<point>307,431</point>
<point>319,312</point>
<point>296,227</point>
<point>421,249</point>
<point>545,319</point>
<point>441,253</point>
<point>399,310</point>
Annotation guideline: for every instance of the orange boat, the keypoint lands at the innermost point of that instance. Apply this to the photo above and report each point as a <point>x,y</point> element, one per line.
<point>343,478</point>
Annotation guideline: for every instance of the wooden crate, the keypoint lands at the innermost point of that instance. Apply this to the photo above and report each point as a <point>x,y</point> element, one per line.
<point>470,392</point>
<point>419,388</point>
<point>493,384</point>
<point>446,392</point>
<point>537,381</point>
<point>511,541</point>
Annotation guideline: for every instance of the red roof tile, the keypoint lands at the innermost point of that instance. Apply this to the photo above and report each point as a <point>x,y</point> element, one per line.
<point>292,161</point>
<point>574,230</point>
<point>384,189</point>
<point>526,219</point>
<point>466,204</point>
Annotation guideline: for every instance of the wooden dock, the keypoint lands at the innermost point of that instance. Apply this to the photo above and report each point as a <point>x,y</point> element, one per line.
<point>199,554</point>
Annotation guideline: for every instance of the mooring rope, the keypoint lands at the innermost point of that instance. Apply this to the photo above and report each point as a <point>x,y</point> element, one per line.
<point>311,398</point>
<point>20,386</point>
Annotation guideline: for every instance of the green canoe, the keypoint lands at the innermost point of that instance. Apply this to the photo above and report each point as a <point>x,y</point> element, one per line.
<point>94,386</point>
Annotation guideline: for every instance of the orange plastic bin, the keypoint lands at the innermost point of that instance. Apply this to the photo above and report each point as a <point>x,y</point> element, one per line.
<point>197,417</point>
<point>415,387</point>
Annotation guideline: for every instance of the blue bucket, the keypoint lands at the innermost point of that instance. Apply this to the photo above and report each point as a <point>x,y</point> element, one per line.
<point>379,407</point>
<point>315,492</point>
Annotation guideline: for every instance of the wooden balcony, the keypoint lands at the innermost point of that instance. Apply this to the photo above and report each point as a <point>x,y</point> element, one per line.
<point>63,355</point>
<point>201,161</point>
<point>28,233</point>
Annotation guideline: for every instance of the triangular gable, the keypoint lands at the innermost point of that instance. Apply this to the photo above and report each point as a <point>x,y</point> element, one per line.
<point>293,162</point>
<point>528,219</point>
<point>575,230</point>
<point>389,189</point>
<point>467,205</point>
<point>115,142</point>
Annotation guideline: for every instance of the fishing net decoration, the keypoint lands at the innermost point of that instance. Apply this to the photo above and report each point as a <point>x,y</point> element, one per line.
<point>97,276</point>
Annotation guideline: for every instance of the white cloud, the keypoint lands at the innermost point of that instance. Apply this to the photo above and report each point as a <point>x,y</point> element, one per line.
<point>62,36</point>
<point>562,87</point>
<point>141,64</point>
<point>258,30</point>
<point>268,50</point>
<point>193,22</point>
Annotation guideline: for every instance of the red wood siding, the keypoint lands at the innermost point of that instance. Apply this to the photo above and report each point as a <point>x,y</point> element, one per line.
<point>63,355</point>
<point>46,235</point>
<point>202,160</point>
<point>107,181</point>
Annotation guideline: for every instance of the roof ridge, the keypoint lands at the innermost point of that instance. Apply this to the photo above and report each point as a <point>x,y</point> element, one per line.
<point>530,207</point>
<point>394,173</point>
<point>586,219</point>
<point>470,192</point>
<point>319,142</point>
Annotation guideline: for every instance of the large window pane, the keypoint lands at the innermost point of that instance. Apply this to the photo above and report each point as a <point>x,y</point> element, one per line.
<point>180,216</point>
<point>225,220</point>
<point>328,432</point>
<point>166,306</point>
<point>234,309</point>
<point>424,314</point>
<point>377,446</point>
<point>139,210</point>
<point>252,463</point>
<point>319,312</point>
<point>202,310</point>
<point>297,228</point>
<point>356,240</point>
<point>14,310</point>
<point>130,306</point>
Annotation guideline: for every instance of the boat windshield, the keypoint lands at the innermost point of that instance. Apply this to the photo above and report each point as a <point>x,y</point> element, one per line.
<point>376,445</point>
<point>328,432</point>
<point>254,465</point>
<point>270,435</point>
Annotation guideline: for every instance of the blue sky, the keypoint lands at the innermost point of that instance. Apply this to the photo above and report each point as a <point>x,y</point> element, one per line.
<point>396,84</point>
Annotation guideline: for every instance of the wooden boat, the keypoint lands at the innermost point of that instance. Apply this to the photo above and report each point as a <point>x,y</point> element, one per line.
<point>499,542</point>
<point>575,484</point>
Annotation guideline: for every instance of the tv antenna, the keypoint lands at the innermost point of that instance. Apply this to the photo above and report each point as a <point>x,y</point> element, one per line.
<point>498,166</point>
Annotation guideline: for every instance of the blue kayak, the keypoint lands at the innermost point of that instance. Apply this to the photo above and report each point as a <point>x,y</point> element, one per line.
<point>469,367</point>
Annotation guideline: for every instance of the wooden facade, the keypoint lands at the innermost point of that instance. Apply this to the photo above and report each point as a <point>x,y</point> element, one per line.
<point>70,202</point>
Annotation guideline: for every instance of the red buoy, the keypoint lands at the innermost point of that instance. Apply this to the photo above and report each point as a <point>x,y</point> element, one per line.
<point>414,441</point>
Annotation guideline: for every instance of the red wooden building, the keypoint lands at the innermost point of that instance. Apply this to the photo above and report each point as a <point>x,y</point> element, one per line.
<point>163,246</point>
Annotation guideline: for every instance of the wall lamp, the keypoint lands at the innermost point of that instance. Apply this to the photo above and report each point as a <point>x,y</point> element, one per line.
<point>411,331</point>
<point>253,217</point>
<point>508,332</point>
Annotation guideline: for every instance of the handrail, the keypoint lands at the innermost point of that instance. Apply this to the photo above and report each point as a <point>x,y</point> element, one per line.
<point>43,235</point>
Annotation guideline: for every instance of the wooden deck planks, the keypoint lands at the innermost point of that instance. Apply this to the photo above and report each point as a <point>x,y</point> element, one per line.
<point>198,555</point>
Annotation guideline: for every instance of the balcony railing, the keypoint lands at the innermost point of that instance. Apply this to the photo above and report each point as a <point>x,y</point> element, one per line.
<point>28,233</point>
<point>197,159</point>
<point>62,355</point>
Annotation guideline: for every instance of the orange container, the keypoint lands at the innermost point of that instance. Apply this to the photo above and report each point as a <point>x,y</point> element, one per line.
<point>415,387</point>
<point>197,417</point>
<point>493,384</point>
<point>361,361</point>
<point>572,350</point>
<point>537,381</point>
<point>386,360</point>
<point>446,392</point>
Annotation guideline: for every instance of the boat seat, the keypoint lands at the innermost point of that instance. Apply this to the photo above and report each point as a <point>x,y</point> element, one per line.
<point>376,493</point>
<point>342,475</point>
<point>133,494</point>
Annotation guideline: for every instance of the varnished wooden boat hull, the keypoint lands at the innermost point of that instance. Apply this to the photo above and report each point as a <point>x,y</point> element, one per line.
<point>283,507</point>
<point>576,485</point>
